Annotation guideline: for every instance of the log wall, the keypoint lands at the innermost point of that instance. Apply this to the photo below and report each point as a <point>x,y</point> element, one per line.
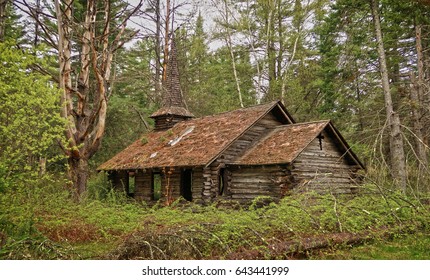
<point>250,137</point>
<point>238,148</point>
<point>325,169</point>
<point>142,186</point>
<point>248,183</point>
<point>170,180</point>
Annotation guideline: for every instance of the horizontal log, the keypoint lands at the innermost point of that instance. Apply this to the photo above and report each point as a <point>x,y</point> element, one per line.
<point>259,174</point>
<point>247,197</point>
<point>251,180</point>
<point>321,165</point>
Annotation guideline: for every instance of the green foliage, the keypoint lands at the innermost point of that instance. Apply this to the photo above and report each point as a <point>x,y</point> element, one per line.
<point>45,222</point>
<point>29,118</point>
<point>11,25</point>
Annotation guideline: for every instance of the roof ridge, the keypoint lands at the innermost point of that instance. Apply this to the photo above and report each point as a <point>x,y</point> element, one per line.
<point>304,123</point>
<point>277,129</point>
<point>268,109</point>
<point>238,109</point>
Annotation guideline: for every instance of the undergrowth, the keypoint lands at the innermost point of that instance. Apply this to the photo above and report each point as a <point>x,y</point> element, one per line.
<point>44,222</point>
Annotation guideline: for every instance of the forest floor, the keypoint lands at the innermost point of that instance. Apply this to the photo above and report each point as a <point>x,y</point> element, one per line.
<point>45,223</point>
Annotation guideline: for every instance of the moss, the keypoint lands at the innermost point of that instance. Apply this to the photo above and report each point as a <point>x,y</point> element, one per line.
<point>144,140</point>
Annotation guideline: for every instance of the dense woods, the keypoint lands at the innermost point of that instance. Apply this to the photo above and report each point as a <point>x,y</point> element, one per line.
<point>79,79</point>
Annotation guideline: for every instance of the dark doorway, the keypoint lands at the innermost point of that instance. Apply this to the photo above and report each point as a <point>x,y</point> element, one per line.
<point>186,183</point>
<point>222,181</point>
<point>156,186</point>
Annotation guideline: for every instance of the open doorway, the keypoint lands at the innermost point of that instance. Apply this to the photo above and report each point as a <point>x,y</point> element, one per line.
<point>156,186</point>
<point>186,184</point>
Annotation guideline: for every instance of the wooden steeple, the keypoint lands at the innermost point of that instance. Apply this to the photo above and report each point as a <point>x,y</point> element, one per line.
<point>174,108</point>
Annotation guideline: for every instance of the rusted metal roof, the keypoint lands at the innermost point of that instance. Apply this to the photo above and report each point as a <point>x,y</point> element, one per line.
<point>193,142</point>
<point>283,144</point>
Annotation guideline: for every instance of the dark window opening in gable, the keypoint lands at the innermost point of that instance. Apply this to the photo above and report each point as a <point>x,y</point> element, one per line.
<point>186,184</point>
<point>156,186</point>
<point>320,138</point>
<point>222,181</point>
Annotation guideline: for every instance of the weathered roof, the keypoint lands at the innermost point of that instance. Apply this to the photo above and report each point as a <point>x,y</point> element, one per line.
<point>283,144</point>
<point>194,142</point>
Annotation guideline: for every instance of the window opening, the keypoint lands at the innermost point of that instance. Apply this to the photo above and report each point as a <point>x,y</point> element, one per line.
<point>222,181</point>
<point>320,138</point>
<point>156,186</point>
<point>131,184</point>
<point>186,184</point>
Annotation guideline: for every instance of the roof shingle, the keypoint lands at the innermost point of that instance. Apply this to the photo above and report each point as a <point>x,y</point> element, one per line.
<point>198,141</point>
<point>283,144</point>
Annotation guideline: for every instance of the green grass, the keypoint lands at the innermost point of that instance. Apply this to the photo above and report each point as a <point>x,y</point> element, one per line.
<point>46,223</point>
<point>402,247</point>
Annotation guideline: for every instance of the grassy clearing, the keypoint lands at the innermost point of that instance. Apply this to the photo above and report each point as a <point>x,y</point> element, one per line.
<point>45,223</point>
<point>401,247</point>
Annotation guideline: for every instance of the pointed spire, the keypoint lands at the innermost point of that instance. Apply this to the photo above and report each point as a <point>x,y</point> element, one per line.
<point>174,108</point>
<point>173,94</point>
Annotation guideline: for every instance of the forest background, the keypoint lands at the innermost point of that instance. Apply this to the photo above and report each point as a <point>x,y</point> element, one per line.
<point>79,79</point>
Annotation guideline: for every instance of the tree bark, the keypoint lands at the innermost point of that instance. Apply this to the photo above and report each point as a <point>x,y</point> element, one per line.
<point>166,41</point>
<point>423,97</point>
<point>230,48</point>
<point>78,174</point>
<point>397,155</point>
<point>417,125</point>
<point>3,17</point>
<point>84,102</point>
<point>270,48</point>
<point>157,79</point>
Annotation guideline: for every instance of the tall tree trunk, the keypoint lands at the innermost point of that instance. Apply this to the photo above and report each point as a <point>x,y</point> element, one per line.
<point>270,48</point>
<point>423,97</point>
<point>230,48</point>
<point>3,17</point>
<point>166,40</point>
<point>251,39</point>
<point>417,125</point>
<point>157,79</point>
<point>397,154</point>
<point>281,38</point>
<point>37,27</point>
<point>78,173</point>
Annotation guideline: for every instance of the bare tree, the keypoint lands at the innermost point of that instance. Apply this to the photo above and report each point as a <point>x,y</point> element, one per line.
<point>84,80</point>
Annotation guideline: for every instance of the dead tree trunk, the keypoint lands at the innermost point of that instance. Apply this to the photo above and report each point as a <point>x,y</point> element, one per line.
<point>397,155</point>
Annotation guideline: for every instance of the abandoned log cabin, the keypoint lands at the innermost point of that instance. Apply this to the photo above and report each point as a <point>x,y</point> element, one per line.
<point>237,155</point>
<point>242,154</point>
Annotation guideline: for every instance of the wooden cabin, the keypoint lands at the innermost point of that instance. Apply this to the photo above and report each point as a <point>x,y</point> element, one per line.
<point>237,155</point>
